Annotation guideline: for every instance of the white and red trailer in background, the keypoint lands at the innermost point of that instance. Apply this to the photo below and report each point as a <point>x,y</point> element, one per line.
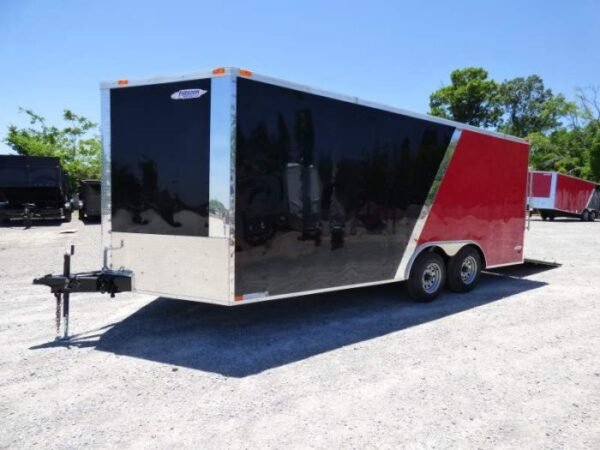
<point>555,194</point>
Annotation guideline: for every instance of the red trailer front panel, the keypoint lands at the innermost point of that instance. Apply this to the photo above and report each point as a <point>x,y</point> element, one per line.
<point>541,184</point>
<point>482,198</point>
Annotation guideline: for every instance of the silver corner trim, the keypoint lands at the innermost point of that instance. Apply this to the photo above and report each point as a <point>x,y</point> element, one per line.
<point>403,267</point>
<point>232,184</point>
<point>219,189</point>
<point>105,193</point>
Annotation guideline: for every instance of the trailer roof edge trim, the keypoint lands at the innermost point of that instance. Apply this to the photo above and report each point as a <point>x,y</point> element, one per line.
<point>235,71</point>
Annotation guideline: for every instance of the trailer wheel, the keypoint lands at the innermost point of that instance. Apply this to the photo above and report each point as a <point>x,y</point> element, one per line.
<point>464,270</point>
<point>544,216</point>
<point>68,216</point>
<point>427,277</point>
<point>585,216</point>
<point>593,216</point>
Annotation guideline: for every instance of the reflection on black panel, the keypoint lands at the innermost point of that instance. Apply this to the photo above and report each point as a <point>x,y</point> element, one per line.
<point>327,191</point>
<point>160,158</point>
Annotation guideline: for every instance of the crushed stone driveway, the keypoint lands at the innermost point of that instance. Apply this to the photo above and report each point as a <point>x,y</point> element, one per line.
<point>515,363</point>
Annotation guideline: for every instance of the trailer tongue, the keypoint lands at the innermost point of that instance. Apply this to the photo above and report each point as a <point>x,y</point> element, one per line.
<point>104,281</point>
<point>231,187</point>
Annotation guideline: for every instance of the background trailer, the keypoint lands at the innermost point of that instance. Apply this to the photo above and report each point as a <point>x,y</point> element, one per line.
<point>89,200</point>
<point>558,195</point>
<point>33,187</point>
<point>231,187</point>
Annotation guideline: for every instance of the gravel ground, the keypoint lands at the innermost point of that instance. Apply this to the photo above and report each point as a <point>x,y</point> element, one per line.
<point>516,363</point>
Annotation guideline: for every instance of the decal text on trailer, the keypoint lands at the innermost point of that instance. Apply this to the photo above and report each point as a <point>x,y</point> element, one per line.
<point>187,94</point>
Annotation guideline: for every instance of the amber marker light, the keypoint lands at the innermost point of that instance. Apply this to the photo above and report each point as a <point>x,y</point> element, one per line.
<point>218,71</point>
<point>245,73</point>
<point>123,82</point>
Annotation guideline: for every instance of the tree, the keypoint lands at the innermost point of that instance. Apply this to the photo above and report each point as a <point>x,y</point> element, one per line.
<point>75,145</point>
<point>589,113</point>
<point>565,151</point>
<point>589,103</point>
<point>595,157</point>
<point>529,107</point>
<point>470,98</point>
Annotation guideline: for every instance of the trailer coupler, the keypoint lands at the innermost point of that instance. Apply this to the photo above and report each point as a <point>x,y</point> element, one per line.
<point>104,281</point>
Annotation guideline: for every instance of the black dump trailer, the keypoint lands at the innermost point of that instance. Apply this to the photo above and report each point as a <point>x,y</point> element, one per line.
<point>33,187</point>
<point>89,200</point>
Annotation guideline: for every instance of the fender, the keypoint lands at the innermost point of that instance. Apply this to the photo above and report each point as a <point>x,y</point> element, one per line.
<point>450,248</point>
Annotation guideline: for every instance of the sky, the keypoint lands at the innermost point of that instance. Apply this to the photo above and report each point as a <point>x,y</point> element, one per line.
<point>54,54</point>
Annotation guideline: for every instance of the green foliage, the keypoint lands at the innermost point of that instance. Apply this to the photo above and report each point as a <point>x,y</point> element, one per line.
<point>573,149</point>
<point>217,208</point>
<point>470,98</point>
<point>595,157</point>
<point>566,151</point>
<point>75,145</point>
<point>529,107</point>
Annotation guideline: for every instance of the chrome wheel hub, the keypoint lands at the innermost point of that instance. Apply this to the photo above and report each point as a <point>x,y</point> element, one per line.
<point>432,278</point>
<point>468,270</point>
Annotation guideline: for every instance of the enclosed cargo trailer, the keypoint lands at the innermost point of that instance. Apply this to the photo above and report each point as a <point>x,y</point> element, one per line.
<point>89,200</point>
<point>555,194</point>
<point>232,187</point>
<point>33,187</point>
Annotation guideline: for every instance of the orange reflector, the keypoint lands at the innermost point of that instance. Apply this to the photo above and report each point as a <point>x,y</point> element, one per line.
<point>245,73</point>
<point>238,298</point>
<point>123,82</point>
<point>219,71</point>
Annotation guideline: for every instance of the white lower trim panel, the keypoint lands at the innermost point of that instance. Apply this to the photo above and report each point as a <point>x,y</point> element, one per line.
<point>186,267</point>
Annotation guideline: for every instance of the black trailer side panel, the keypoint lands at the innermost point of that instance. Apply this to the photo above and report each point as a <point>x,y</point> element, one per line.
<point>160,158</point>
<point>327,191</point>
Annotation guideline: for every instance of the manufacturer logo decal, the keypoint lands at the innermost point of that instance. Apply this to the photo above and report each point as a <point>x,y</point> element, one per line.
<point>187,94</point>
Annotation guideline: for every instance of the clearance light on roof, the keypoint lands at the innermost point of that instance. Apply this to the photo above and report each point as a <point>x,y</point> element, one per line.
<point>218,71</point>
<point>245,73</point>
<point>123,82</point>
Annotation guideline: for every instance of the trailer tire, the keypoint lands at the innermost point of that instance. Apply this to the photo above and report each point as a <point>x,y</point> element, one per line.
<point>464,270</point>
<point>544,216</point>
<point>427,277</point>
<point>593,216</point>
<point>68,216</point>
<point>585,216</point>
